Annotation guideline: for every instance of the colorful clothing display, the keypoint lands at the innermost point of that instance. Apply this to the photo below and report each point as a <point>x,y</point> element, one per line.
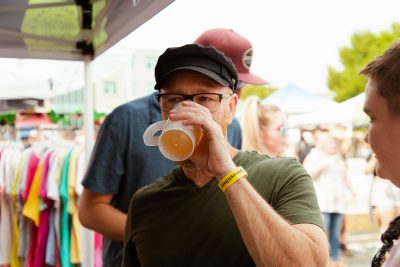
<point>39,223</point>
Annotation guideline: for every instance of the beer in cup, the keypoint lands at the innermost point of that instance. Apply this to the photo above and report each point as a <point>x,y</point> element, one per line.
<point>176,141</point>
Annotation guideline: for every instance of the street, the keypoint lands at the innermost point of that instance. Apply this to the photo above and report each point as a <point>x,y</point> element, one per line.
<point>363,247</point>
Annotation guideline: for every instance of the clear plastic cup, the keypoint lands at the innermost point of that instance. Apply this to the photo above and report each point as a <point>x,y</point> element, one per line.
<point>176,141</point>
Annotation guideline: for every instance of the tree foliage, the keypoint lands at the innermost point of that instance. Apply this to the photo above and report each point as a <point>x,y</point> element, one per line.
<point>258,90</point>
<point>364,46</point>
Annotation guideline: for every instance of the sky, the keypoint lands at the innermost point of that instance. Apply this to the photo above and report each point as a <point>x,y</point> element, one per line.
<point>293,41</point>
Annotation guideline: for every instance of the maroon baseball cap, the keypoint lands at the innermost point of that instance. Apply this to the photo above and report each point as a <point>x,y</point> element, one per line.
<point>234,46</point>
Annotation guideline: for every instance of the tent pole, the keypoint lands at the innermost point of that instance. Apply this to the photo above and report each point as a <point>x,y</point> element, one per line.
<point>88,121</point>
<point>87,236</point>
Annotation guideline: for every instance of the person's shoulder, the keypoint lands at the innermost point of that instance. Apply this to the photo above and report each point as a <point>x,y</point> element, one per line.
<point>281,164</point>
<point>138,105</point>
<point>256,158</point>
<point>138,109</point>
<point>394,259</point>
<point>276,167</point>
<point>235,123</point>
<point>152,189</point>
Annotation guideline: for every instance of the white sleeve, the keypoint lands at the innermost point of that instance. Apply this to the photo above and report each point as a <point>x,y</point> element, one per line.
<point>394,257</point>
<point>80,173</point>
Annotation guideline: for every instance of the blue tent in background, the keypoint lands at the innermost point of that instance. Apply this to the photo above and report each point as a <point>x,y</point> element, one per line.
<point>294,100</point>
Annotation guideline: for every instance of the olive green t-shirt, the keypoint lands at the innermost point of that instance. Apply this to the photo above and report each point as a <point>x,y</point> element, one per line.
<point>173,222</point>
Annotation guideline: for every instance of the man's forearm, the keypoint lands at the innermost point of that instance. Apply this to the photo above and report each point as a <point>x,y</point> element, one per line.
<point>272,241</point>
<point>106,220</point>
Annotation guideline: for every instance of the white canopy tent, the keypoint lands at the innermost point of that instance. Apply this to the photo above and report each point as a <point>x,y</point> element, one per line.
<point>348,113</point>
<point>77,30</point>
<point>332,113</point>
<point>354,109</point>
<point>294,100</point>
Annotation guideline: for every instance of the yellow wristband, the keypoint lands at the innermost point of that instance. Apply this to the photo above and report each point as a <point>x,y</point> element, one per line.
<point>231,177</point>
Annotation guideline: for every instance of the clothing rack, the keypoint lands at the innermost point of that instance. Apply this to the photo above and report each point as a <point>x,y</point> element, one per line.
<point>39,191</point>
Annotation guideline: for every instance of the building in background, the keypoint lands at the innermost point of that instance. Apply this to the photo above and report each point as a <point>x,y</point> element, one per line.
<point>143,64</point>
<point>119,78</point>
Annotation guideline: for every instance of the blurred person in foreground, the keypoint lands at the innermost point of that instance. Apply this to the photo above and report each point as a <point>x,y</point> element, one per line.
<point>121,163</point>
<point>382,105</point>
<point>220,207</point>
<point>263,128</point>
<point>328,168</point>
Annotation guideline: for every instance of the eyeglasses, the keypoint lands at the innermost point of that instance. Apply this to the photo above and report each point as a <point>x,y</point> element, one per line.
<point>208,100</point>
<point>283,130</point>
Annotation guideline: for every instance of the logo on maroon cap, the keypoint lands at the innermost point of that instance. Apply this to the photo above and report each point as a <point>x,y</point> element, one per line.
<point>247,57</point>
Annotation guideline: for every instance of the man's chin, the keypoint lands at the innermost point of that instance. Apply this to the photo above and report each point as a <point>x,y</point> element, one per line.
<point>380,172</point>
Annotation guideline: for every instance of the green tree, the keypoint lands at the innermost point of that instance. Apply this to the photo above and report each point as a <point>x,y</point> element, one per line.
<point>364,46</point>
<point>259,90</point>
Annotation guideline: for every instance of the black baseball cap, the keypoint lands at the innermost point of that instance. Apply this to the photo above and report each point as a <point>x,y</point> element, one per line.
<point>206,60</point>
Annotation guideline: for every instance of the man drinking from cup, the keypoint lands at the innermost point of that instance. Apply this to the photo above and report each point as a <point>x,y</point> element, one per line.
<point>221,206</point>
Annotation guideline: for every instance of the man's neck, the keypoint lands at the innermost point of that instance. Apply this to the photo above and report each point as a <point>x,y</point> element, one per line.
<point>201,177</point>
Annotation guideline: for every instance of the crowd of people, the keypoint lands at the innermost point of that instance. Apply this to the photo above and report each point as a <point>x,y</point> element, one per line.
<point>237,201</point>
<point>248,195</point>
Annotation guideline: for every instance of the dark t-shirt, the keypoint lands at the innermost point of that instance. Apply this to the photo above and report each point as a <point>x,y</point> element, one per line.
<point>172,222</point>
<point>121,163</point>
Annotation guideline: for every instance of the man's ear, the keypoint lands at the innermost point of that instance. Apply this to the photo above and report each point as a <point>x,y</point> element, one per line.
<point>233,100</point>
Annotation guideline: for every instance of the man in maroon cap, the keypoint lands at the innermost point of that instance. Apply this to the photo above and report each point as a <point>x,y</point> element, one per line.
<point>237,48</point>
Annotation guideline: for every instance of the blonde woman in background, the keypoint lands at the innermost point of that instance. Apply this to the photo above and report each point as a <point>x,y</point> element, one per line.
<point>263,128</point>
